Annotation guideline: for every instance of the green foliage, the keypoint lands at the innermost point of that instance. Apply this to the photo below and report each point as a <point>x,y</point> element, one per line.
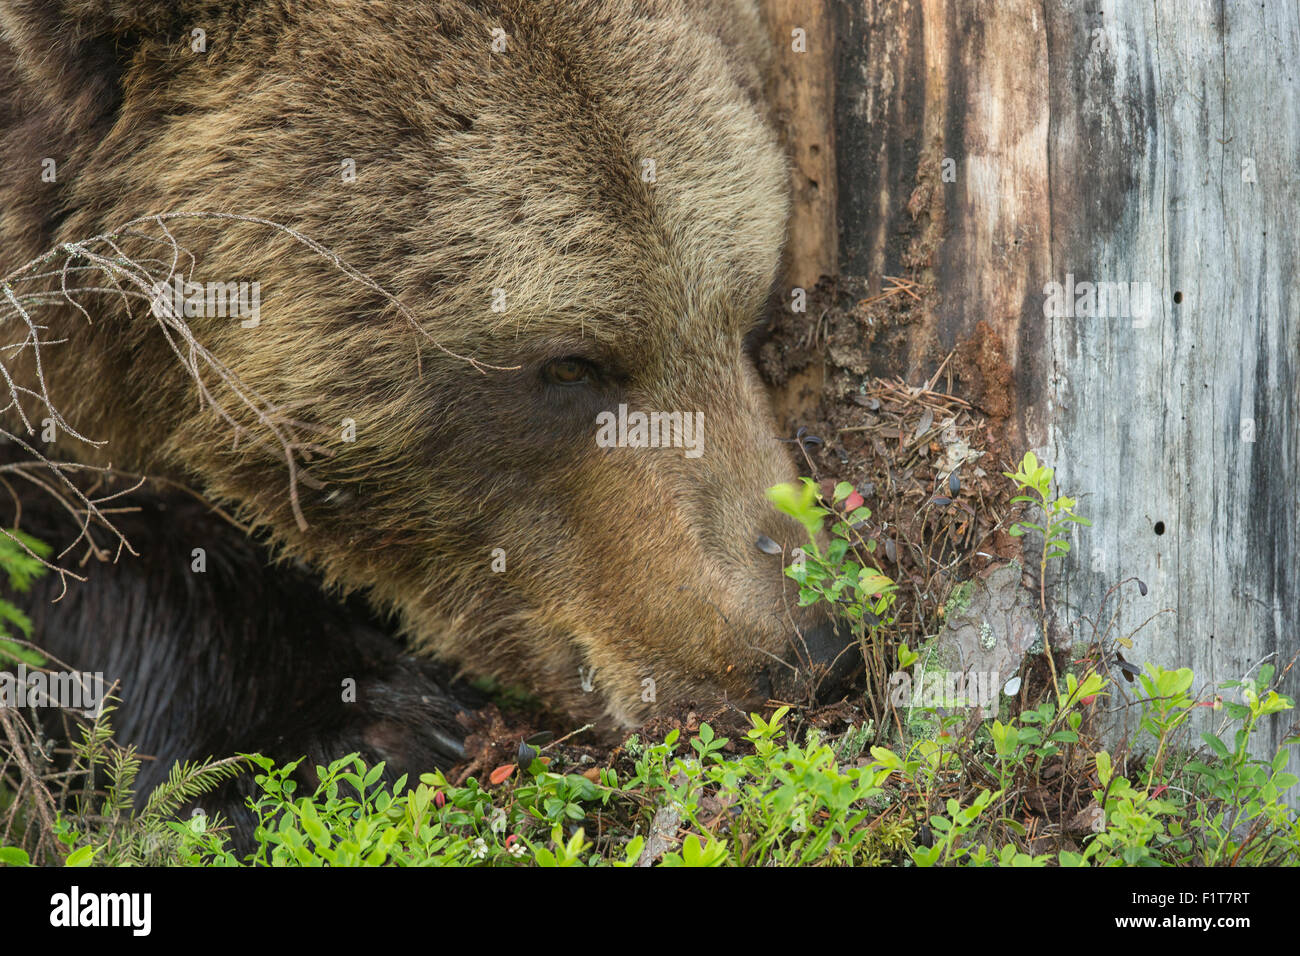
<point>799,501</point>
<point>844,576</point>
<point>20,561</point>
<point>1227,808</point>
<point>1057,513</point>
<point>861,594</point>
<point>785,803</point>
<point>952,829</point>
<point>102,825</point>
<point>695,853</point>
<point>764,799</point>
<point>988,793</point>
<point>351,818</point>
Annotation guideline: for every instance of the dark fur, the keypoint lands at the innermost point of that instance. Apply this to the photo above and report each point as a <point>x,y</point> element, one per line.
<point>247,657</point>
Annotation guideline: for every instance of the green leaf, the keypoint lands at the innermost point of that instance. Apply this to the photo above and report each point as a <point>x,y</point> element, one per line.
<point>798,501</point>
<point>373,775</point>
<point>19,566</point>
<point>14,856</point>
<point>632,852</point>
<point>82,857</point>
<point>16,652</point>
<point>1104,767</point>
<point>1220,749</point>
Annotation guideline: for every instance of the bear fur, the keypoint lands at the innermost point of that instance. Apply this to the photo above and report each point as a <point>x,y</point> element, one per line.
<point>605,193</point>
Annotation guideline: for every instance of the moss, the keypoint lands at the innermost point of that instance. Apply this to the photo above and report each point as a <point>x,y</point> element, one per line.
<point>959,598</point>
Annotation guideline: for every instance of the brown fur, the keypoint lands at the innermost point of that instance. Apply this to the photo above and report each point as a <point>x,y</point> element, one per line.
<point>475,170</point>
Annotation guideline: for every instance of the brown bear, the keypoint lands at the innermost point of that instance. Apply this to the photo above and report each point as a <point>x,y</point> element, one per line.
<point>505,404</point>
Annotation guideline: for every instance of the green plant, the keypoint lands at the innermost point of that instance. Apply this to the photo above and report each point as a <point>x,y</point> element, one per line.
<point>789,804</point>
<point>102,823</point>
<point>1166,707</point>
<point>697,853</point>
<point>844,575</point>
<point>1134,831</point>
<point>1056,514</point>
<point>950,846</point>
<point>759,799</point>
<point>967,793</point>
<point>21,561</point>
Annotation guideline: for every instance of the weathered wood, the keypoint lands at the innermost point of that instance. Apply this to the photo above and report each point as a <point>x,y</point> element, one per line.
<point>801,92</point>
<point>1185,421</point>
<point>1118,142</point>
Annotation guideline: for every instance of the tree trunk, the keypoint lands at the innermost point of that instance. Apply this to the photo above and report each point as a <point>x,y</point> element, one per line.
<point>1016,155</point>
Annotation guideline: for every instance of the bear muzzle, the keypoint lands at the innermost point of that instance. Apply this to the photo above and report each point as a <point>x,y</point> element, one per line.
<point>822,665</point>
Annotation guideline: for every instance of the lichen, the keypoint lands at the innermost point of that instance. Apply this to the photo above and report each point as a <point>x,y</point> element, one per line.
<point>959,599</point>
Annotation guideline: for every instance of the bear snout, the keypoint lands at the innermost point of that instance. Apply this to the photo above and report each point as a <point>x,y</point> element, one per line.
<point>822,665</point>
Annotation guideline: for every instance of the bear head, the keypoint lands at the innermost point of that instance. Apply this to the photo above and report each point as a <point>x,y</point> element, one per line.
<point>497,377</point>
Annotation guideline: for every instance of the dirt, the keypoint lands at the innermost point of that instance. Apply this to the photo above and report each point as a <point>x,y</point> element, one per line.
<point>927,456</point>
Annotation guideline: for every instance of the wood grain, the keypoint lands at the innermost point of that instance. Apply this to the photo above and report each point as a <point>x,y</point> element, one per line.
<point>1109,142</point>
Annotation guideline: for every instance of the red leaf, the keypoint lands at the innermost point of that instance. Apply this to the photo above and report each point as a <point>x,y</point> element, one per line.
<point>502,773</point>
<point>853,502</point>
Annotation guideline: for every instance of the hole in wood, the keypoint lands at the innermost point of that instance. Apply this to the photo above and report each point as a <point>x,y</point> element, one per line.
<point>1178,298</point>
<point>1160,527</point>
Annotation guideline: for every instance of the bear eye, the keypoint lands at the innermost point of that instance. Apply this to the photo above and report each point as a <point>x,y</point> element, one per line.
<point>568,371</point>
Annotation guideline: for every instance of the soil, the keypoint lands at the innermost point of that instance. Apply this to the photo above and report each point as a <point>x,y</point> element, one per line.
<point>927,456</point>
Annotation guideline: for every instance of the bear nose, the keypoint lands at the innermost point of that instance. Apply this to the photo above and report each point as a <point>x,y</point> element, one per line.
<point>822,663</point>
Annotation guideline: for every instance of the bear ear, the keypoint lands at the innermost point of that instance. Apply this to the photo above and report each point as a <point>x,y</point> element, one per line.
<point>69,53</point>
